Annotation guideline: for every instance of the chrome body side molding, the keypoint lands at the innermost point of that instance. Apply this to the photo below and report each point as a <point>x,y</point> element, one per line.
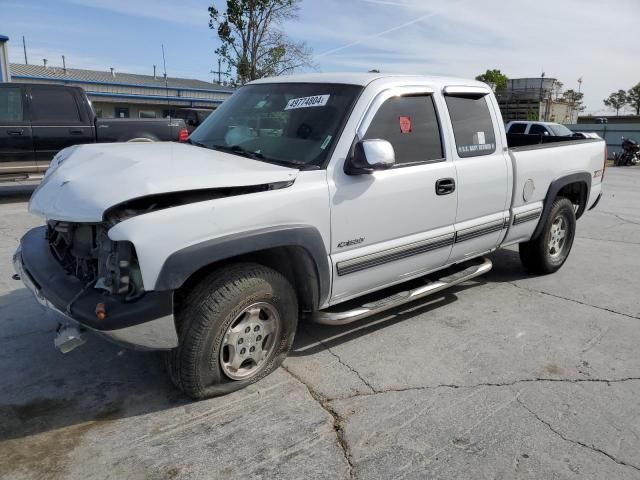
<point>527,216</point>
<point>379,258</point>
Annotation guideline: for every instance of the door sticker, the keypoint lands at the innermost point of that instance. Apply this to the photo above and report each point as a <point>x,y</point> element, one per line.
<point>405,124</point>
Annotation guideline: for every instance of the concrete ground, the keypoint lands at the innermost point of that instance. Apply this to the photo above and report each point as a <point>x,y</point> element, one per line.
<point>509,377</point>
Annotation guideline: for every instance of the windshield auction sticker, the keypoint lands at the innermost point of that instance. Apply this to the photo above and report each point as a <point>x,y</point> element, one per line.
<point>307,102</point>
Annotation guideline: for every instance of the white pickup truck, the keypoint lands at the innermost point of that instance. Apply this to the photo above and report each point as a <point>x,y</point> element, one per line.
<point>297,195</point>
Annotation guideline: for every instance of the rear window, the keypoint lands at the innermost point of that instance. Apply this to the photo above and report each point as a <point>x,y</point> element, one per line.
<point>10,105</point>
<point>53,105</point>
<point>538,130</point>
<point>517,128</point>
<point>472,126</point>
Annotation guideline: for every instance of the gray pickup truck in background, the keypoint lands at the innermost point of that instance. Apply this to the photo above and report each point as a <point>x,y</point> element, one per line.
<point>37,121</point>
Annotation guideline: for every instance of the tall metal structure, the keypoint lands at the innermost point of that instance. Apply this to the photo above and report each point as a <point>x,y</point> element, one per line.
<point>5,74</point>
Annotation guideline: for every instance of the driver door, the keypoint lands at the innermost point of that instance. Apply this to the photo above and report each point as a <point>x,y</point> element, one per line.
<point>395,224</point>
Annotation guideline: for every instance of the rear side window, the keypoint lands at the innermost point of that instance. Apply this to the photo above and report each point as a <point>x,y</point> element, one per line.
<point>10,105</point>
<point>517,128</point>
<point>53,105</point>
<point>410,124</point>
<point>472,126</point>
<point>538,130</point>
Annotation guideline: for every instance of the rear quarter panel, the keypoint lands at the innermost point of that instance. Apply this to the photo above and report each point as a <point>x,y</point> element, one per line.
<point>540,165</point>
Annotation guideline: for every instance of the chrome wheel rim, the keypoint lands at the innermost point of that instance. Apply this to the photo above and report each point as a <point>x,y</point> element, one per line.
<point>558,236</point>
<point>249,341</point>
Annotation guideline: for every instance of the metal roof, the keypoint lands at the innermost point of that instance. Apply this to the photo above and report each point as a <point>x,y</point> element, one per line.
<point>19,70</point>
<point>364,79</point>
<point>4,38</point>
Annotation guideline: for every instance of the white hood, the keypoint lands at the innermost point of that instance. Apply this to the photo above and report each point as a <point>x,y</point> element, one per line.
<point>86,180</point>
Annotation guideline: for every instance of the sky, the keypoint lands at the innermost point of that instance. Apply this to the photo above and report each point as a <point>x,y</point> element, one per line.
<point>596,40</point>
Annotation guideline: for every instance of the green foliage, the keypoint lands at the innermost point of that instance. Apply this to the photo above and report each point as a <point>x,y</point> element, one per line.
<point>574,98</point>
<point>617,100</point>
<point>251,42</point>
<point>496,77</point>
<point>633,97</point>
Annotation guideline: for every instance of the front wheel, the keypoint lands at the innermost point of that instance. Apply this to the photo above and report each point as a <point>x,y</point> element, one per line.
<point>235,327</point>
<point>548,252</point>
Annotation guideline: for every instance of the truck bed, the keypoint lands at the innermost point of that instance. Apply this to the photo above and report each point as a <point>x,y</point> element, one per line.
<point>519,140</point>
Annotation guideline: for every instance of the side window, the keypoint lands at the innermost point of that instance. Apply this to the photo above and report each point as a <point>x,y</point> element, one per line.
<point>410,124</point>
<point>472,126</point>
<point>517,128</point>
<point>53,105</point>
<point>538,130</point>
<point>10,105</point>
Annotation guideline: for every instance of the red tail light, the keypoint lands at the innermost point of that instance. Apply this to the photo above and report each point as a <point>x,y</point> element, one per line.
<point>183,135</point>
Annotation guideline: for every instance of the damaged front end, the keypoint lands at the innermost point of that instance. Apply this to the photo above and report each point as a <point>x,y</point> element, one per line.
<point>86,252</point>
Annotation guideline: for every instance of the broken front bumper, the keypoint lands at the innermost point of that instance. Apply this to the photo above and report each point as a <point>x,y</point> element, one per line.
<point>145,323</point>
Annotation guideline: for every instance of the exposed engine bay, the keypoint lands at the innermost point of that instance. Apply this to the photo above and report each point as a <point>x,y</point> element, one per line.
<point>86,252</point>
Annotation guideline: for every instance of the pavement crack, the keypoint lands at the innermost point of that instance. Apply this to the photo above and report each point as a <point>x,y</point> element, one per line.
<point>338,420</point>
<point>342,362</point>
<point>541,292</point>
<point>607,240</point>
<point>496,384</point>
<point>575,442</point>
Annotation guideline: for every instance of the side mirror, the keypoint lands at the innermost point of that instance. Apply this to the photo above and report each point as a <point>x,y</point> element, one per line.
<point>370,156</point>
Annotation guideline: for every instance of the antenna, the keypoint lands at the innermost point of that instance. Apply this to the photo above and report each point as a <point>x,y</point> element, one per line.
<point>164,64</point>
<point>24,47</point>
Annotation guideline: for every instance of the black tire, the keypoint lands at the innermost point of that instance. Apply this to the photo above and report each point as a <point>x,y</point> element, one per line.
<point>536,255</point>
<point>206,314</point>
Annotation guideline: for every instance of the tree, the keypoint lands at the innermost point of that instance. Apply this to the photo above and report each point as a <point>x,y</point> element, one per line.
<point>251,41</point>
<point>633,98</point>
<point>574,98</point>
<point>617,100</point>
<point>496,77</point>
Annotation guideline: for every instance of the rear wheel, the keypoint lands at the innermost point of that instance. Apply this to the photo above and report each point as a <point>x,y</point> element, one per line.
<point>548,252</point>
<point>236,326</point>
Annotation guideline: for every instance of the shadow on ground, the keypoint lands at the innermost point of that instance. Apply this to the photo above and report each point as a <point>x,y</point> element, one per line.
<point>42,390</point>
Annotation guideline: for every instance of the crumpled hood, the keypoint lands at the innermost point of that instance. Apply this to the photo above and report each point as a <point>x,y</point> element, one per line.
<point>86,180</point>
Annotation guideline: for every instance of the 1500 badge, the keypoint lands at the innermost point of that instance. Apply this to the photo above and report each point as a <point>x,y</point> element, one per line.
<point>348,243</point>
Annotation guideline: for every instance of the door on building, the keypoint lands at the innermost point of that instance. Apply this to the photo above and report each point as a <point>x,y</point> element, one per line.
<point>16,143</point>
<point>122,112</point>
<point>57,122</point>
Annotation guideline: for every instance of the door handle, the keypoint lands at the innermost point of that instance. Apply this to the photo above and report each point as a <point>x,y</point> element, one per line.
<point>76,132</point>
<point>15,132</point>
<point>445,186</point>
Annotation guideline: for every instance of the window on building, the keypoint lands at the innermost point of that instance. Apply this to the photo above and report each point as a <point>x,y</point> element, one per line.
<point>410,124</point>
<point>472,125</point>
<point>98,112</point>
<point>146,114</point>
<point>122,112</point>
<point>517,128</point>
<point>53,105</point>
<point>10,105</point>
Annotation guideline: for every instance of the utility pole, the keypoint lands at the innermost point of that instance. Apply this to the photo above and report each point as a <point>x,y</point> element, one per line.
<point>541,95</point>
<point>218,72</point>
<point>24,48</point>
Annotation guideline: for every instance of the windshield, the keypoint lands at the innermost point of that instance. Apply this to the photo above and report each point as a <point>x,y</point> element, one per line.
<point>288,123</point>
<point>560,130</point>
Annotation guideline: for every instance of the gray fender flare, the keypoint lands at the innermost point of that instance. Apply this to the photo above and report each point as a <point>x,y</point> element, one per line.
<point>180,265</point>
<point>552,193</point>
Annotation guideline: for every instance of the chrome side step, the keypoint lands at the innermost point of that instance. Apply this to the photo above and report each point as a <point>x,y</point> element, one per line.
<point>326,317</point>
